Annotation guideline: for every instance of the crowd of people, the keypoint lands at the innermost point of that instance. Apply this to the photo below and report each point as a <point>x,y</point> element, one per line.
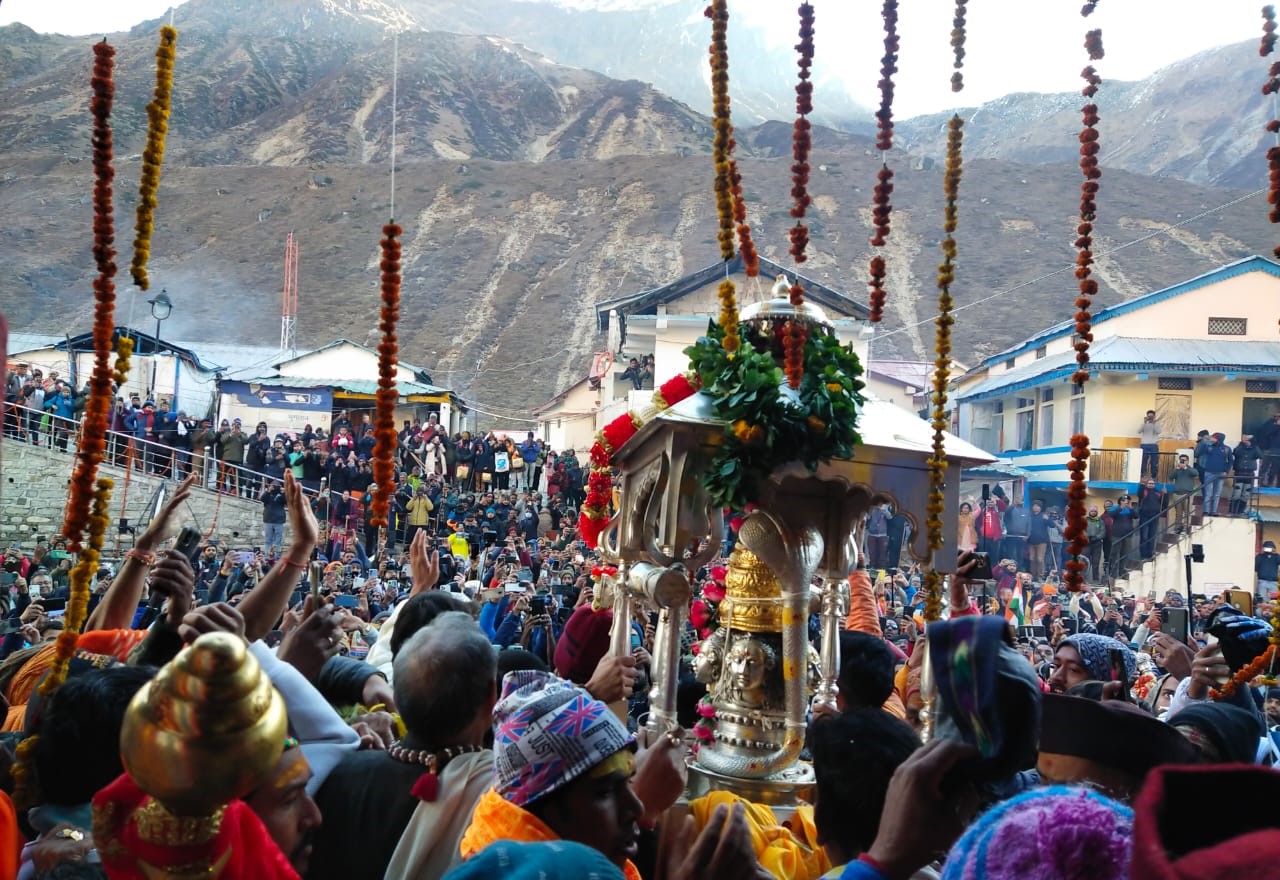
<point>450,697</point>
<point>455,706</point>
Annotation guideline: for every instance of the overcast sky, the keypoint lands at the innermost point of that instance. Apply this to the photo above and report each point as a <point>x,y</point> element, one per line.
<point>1013,45</point>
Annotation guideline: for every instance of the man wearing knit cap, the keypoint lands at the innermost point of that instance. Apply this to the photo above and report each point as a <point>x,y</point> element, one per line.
<point>1090,657</point>
<point>563,764</point>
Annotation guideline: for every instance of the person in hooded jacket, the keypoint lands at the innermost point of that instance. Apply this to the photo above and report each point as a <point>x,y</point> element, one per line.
<point>1217,461</point>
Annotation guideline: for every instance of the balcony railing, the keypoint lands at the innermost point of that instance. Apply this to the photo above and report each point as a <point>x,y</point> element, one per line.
<point>126,451</point>
<point>1107,465</point>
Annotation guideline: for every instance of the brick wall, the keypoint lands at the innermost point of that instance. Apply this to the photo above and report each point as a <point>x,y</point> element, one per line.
<point>33,492</point>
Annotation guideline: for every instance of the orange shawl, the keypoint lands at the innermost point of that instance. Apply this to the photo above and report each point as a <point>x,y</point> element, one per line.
<point>113,643</point>
<point>497,819</point>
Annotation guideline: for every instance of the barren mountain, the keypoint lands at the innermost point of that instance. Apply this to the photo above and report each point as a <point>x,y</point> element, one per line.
<point>528,191</point>
<point>1202,119</point>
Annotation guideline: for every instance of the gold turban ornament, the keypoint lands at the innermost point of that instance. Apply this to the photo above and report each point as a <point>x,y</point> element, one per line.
<point>206,730</point>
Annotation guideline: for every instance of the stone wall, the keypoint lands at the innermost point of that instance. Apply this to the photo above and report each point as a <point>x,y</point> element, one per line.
<point>33,492</point>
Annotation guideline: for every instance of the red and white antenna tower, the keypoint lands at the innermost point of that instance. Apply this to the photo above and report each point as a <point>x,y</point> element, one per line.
<point>289,308</point>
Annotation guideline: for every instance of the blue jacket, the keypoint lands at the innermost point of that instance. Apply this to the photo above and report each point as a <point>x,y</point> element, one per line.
<point>1217,459</point>
<point>62,405</point>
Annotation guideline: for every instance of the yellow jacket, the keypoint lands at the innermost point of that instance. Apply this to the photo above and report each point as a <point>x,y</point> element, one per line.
<point>419,508</point>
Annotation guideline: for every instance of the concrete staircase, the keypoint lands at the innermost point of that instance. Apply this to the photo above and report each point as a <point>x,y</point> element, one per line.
<point>1229,546</point>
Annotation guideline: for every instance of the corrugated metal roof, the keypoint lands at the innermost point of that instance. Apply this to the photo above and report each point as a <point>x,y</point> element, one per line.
<point>353,386</point>
<point>1131,354</point>
<point>1241,266</point>
<point>20,342</point>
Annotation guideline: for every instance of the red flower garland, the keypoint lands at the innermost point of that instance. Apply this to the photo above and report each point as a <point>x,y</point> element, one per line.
<point>747,247</point>
<point>594,515</point>
<point>884,142</point>
<point>801,144</point>
<point>942,364</point>
<point>384,425</point>
<point>957,46</point>
<point>1272,86</point>
<point>1075,529</point>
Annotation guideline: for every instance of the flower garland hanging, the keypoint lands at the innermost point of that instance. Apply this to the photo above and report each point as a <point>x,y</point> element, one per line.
<point>1075,529</point>
<point>957,45</point>
<point>942,365</point>
<point>722,150</point>
<point>384,428</point>
<point>801,144</point>
<point>153,156</point>
<point>1271,87</point>
<point>746,246</point>
<point>881,206</point>
<point>87,505</point>
<point>98,408</point>
<point>594,515</point>
<point>124,350</point>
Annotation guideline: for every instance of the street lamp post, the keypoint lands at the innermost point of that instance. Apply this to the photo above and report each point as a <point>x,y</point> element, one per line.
<point>161,308</point>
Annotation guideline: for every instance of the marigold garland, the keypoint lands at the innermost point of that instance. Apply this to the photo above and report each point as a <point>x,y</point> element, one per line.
<point>722,151</point>
<point>795,333</point>
<point>153,156</point>
<point>98,408</point>
<point>881,206</point>
<point>942,365</point>
<point>1270,87</point>
<point>957,45</point>
<point>88,499</point>
<point>746,246</point>
<point>384,429</point>
<point>124,350</point>
<point>1075,528</point>
<point>594,515</point>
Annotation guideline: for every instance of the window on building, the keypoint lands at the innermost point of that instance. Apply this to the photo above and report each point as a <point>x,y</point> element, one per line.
<point>1228,326</point>
<point>1041,352</point>
<point>1260,386</point>
<point>1174,383</point>
<point>1077,414</point>
<point>1046,425</point>
<point>1026,423</point>
<point>1008,365</point>
<point>998,407</point>
<point>1046,395</point>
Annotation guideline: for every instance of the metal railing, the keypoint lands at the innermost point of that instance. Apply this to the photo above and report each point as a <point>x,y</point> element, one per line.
<point>1238,498</point>
<point>138,454</point>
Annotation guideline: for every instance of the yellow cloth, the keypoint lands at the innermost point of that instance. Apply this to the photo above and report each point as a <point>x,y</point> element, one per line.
<point>788,852</point>
<point>498,819</point>
<point>458,546</point>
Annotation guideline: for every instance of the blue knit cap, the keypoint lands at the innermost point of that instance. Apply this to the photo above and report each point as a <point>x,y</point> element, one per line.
<point>1046,834</point>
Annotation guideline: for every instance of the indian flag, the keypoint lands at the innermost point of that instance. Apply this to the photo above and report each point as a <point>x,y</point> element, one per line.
<point>1015,611</point>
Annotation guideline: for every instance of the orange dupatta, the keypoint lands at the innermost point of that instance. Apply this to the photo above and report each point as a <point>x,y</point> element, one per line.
<point>497,819</point>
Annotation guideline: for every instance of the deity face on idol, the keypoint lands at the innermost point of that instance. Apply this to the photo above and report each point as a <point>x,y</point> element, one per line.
<point>750,660</point>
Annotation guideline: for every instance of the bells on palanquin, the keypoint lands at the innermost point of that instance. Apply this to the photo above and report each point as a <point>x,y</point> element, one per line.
<point>206,730</point>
